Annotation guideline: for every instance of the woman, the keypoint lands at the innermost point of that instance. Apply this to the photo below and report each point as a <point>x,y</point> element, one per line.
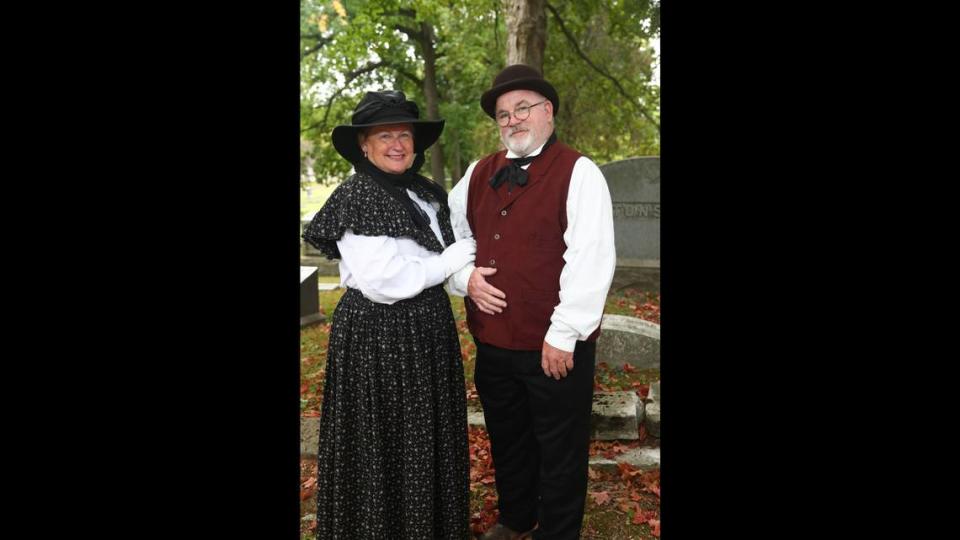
<point>393,459</point>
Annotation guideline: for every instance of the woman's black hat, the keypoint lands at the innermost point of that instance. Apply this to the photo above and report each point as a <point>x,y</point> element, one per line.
<point>377,109</point>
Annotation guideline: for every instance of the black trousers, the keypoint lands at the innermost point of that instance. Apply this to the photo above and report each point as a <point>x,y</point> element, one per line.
<point>539,431</point>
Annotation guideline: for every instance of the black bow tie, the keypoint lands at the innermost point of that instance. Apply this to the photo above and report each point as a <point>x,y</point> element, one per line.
<point>512,173</point>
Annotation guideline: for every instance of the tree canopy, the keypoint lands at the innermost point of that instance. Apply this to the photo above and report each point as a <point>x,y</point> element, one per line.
<point>444,55</point>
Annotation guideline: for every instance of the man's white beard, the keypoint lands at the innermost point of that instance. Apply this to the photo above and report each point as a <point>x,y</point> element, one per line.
<point>522,145</point>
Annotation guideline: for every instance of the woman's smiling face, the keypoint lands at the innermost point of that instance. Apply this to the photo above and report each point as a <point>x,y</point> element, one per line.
<point>390,147</point>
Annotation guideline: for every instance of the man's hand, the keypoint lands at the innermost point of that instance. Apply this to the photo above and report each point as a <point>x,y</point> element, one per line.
<point>555,362</point>
<point>488,298</point>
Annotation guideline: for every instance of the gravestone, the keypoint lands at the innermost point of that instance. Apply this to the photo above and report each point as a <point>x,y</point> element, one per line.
<point>635,192</point>
<point>615,415</point>
<point>652,419</point>
<point>311,256</point>
<point>309,435</point>
<point>643,458</point>
<point>628,340</point>
<point>309,296</point>
<point>308,250</point>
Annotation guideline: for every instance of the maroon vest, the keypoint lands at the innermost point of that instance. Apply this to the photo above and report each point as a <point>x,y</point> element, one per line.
<point>521,235</point>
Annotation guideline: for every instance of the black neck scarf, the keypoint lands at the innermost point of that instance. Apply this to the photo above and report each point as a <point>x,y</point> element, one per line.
<point>396,185</point>
<point>513,172</point>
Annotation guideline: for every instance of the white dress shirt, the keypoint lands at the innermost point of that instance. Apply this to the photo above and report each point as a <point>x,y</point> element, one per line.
<point>387,269</point>
<point>590,257</point>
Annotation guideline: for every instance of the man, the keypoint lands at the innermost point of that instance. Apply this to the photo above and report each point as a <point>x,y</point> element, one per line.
<point>543,222</point>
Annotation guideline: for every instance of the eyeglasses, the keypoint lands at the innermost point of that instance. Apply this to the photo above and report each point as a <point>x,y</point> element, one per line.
<point>521,113</point>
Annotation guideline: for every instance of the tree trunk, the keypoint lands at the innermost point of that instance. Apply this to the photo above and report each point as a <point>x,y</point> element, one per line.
<point>433,97</point>
<point>527,32</point>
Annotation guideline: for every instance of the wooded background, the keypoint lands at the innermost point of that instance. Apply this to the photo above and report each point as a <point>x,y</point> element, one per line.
<point>443,55</point>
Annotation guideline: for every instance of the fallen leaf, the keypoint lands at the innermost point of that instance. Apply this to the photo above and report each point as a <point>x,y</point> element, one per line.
<point>599,497</point>
<point>654,526</point>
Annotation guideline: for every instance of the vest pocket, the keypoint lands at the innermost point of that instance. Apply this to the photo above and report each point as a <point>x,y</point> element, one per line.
<point>536,308</point>
<point>538,295</point>
<point>545,242</point>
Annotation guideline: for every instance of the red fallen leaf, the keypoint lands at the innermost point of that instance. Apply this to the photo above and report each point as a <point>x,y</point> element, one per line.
<point>642,433</point>
<point>654,489</point>
<point>634,495</point>
<point>628,368</point>
<point>639,516</point>
<point>627,471</point>
<point>599,497</point>
<point>310,414</point>
<point>487,480</point>
<point>615,450</point>
<point>654,526</point>
<point>304,387</point>
<point>592,473</point>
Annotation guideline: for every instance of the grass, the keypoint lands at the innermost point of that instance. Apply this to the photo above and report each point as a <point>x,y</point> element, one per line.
<point>631,508</point>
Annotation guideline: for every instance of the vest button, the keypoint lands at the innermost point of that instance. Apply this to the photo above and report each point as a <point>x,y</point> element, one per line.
<point>493,262</point>
<point>503,212</point>
<point>496,236</point>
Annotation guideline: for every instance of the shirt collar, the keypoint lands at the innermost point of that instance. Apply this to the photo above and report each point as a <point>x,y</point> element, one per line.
<point>511,155</point>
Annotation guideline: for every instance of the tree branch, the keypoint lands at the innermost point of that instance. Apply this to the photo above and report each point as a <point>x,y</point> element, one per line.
<point>350,77</point>
<point>616,83</point>
<point>321,41</point>
<point>314,49</point>
<point>403,12</point>
<point>414,34</point>
<point>404,72</point>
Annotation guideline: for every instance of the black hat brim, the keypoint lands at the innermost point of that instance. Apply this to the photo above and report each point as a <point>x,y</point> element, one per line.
<point>488,101</point>
<point>425,134</point>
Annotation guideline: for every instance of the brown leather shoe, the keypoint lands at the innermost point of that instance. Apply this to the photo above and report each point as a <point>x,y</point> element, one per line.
<point>502,532</point>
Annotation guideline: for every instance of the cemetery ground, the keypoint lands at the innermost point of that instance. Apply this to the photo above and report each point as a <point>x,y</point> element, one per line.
<point>622,504</point>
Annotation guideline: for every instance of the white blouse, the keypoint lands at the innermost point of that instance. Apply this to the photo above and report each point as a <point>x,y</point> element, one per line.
<point>387,269</point>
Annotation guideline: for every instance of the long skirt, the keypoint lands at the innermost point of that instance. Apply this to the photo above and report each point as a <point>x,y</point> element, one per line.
<point>393,460</point>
